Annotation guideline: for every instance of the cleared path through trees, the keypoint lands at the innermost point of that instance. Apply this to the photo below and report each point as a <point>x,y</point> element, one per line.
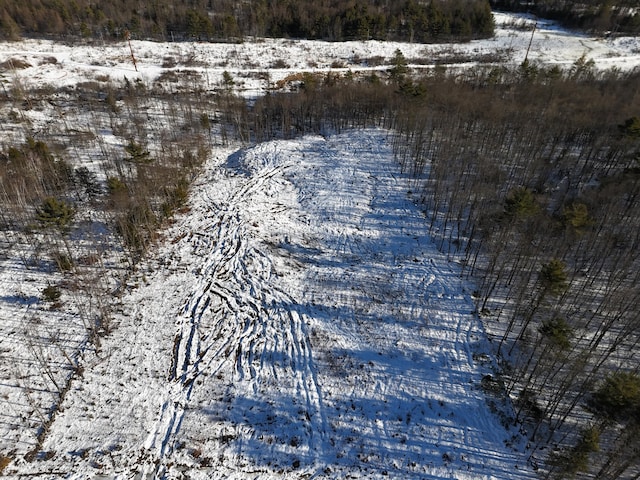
<point>296,323</point>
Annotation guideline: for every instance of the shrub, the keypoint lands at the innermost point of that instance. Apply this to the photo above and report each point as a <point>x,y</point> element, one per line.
<point>528,401</point>
<point>115,185</point>
<point>520,203</point>
<point>176,198</point>
<point>618,396</point>
<point>118,192</point>
<point>572,461</point>
<point>63,261</point>
<point>136,227</point>
<point>137,153</point>
<point>491,384</point>
<point>630,127</point>
<point>4,462</point>
<point>51,293</point>
<point>553,276</point>
<point>577,216</point>
<point>15,64</point>
<point>55,213</point>
<point>88,181</point>
<point>280,63</point>
<point>557,331</point>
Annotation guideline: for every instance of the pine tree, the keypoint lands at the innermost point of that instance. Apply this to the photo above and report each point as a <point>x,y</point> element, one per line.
<point>520,203</point>
<point>630,128</point>
<point>553,277</point>
<point>618,397</point>
<point>399,68</point>
<point>53,213</point>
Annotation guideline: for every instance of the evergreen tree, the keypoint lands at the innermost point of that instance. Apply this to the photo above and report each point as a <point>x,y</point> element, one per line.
<point>54,213</point>
<point>618,397</point>
<point>520,203</point>
<point>553,277</point>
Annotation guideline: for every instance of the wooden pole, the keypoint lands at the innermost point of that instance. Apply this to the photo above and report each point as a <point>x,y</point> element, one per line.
<point>526,57</point>
<point>127,36</point>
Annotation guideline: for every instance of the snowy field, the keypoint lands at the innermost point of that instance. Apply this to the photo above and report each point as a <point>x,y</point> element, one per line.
<point>296,323</point>
<point>259,64</point>
<point>300,324</point>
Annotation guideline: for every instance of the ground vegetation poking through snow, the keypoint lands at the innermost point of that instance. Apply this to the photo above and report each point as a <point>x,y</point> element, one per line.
<point>93,385</point>
<point>260,65</point>
<point>300,324</point>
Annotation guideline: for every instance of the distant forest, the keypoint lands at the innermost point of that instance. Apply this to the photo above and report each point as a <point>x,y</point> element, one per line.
<point>598,16</point>
<point>334,20</point>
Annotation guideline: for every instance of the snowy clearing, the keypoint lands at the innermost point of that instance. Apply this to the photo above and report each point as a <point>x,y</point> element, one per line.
<point>257,65</point>
<point>296,323</point>
<point>300,324</point>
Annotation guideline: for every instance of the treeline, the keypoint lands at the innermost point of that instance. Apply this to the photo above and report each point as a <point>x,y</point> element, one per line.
<point>613,16</point>
<point>229,20</point>
<point>531,179</point>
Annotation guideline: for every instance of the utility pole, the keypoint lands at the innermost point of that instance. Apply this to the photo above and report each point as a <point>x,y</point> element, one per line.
<point>526,57</point>
<point>127,36</point>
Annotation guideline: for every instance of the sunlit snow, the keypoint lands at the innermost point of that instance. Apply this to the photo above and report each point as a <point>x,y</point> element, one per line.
<point>301,323</point>
<point>259,64</point>
<point>297,322</point>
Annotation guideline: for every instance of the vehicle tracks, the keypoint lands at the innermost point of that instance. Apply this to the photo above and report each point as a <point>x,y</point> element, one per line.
<point>235,319</point>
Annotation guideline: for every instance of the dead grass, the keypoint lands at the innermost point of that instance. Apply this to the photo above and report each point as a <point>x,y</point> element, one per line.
<point>15,64</point>
<point>4,462</point>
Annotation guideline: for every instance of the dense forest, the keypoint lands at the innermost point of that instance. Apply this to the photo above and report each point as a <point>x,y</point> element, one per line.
<point>224,20</point>
<point>411,20</point>
<point>533,180</point>
<point>611,16</point>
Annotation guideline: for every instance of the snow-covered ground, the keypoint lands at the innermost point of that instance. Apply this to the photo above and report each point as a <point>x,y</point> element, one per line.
<point>298,323</point>
<point>258,64</point>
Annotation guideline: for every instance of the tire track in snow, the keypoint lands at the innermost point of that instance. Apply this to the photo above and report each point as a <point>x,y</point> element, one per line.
<point>398,362</point>
<point>236,320</point>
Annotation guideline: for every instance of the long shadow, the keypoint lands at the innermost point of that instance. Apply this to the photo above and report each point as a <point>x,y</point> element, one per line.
<point>392,334</point>
<point>20,299</point>
<point>397,433</point>
<point>403,432</point>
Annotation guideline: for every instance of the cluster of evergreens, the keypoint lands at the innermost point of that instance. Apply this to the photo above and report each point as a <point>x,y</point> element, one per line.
<point>411,20</point>
<point>611,16</point>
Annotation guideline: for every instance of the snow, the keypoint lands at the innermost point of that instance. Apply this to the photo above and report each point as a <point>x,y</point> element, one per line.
<point>297,322</point>
<point>258,64</point>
